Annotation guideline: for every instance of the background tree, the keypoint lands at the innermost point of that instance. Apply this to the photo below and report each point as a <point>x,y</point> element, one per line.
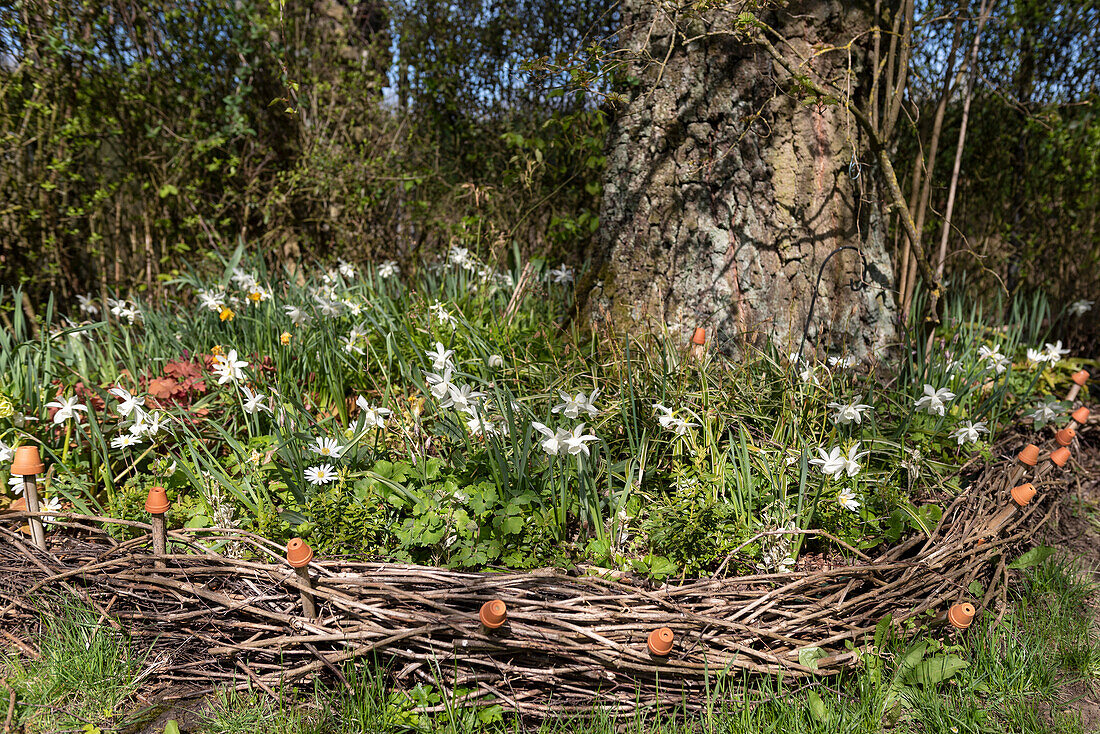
<point>747,153</point>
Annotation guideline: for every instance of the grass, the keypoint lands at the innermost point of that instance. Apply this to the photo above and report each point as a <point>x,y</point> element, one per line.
<point>1012,677</point>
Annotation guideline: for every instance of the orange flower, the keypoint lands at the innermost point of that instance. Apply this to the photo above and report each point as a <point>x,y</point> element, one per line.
<point>216,350</point>
<point>226,314</point>
<point>285,338</point>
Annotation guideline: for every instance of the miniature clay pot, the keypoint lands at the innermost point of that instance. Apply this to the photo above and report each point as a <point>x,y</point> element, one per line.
<point>1065,436</point>
<point>1081,415</point>
<point>26,461</point>
<point>1060,456</point>
<point>1022,495</point>
<point>960,615</point>
<point>1081,377</point>
<point>699,336</point>
<point>660,641</point>
<point>298,554</point>
<point>1030,455</point>
<point>157,501</point>
<point>493,614</point>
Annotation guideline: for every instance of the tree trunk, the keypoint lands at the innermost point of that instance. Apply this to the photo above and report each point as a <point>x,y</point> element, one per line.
<point>727,187</point>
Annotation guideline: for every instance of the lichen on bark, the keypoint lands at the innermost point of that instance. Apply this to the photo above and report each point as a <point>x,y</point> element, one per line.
<point>727,187</point>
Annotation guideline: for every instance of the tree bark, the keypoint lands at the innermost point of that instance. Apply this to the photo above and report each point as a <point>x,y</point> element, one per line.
<point>729,183</point>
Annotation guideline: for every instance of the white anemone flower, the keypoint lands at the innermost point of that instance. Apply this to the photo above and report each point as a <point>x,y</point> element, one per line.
<point>934,401</point>
<point>575,442</point>
<point>253,401</point>
<point>969,432</point>
<point>66,409</point>
<point>572,407</point>
<point>554,440</point>
<point>51,505</point>
<point>1081,307</point>
<point>327,447</point>
<point>124,440</point>
<point>847,499</point>
<point>441,358</point>
<point>849,412</point>
<point>228,368</point>
<point>322,474</point>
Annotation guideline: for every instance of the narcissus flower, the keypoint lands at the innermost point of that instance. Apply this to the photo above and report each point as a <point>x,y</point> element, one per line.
<point>284,338</point>
<point>553,440</point>
<point>849,412</point>
<point>129,403</point>
<point>934,401</point>
<point>441,358</point>
<point>253,401</point>
<point>228,368</point>
<point>1055,352</point>
<point>226,314</point>
<point>66,409</point>
<point>575,442</point>
<point>969,432</point>
<point>1077,308</point>
<point>572,407</point>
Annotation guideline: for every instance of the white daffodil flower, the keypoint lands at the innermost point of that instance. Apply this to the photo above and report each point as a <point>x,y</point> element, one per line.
<point>1055,352</point>
<point>572,407</point>
<point>680,426</point>
<point>969,432</point>
<point>849,412</point>
<point>372,417</point>
<point>441,358</point>
<point>1036,356</point>
<point>1077,308</point>
<point>346,269</point>
<point>847,499</point>
<point>561,274</point>
<point>463,398</point>
<point>87,305</point>
<point>934,401</point>
<point>66,409</point>
<point>439,385</point>
<point>327,447</point>
<point>496,361</point>
<point>482,426</point>
<point>851,461</point>
<point>554,440</point>
<point>575,442</point>
<point>6,453</point>
<point>253,401</point>
<point>322,474</point>
<point>298,317</point>
<point>832,463</point>
<point>228,368</point>
<point>128,403</point>
<point>388,269</point>
<point>1046,411</point>
<point>440,312</point>
<point>844,363</point>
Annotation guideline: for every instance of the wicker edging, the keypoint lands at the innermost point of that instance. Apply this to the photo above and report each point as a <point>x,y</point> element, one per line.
<point>570,644</point>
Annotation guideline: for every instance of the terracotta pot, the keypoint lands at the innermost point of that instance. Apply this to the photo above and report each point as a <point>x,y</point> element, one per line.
<point>700,336</point>
<point>1029,456</point>
<point>1081,415</point>
<point>1022,495</point>
<point>27,461</point>
<point>493,614</point>
<point>157,501</point>
<point>1065,436</point>
<point>660,641</point>
<point>1081,377</point>
<point>960,615</point>
<point>1060,456</point>
<point>298,554</point>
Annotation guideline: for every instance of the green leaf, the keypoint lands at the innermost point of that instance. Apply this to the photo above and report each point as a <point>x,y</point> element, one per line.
<point>171,727</point>
<point>1033,557</point>
<point>817,707</point>
<point>976,589</point>
<point>808,656</point>
<point>167,190</point>
<point>936,669</point>
<point>882,629</point>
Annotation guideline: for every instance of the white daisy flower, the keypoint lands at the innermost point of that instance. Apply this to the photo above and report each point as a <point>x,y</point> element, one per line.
<point>53,505</point>
<point>124,440</point>
<point>847,499</point>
